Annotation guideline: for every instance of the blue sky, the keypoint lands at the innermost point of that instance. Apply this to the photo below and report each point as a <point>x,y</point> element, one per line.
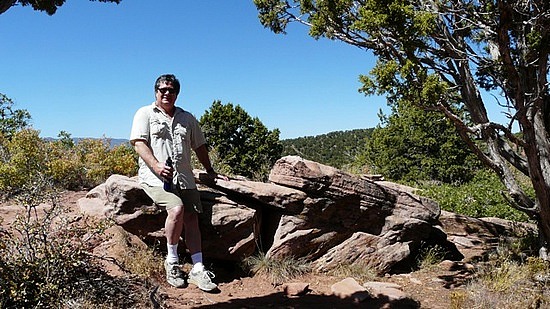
<point>89,67</point>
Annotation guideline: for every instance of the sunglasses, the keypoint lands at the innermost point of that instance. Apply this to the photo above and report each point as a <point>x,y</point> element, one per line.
<point>167,90</point>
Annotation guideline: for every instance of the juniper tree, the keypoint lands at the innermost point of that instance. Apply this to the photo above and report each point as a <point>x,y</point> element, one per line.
<point>437,53</point>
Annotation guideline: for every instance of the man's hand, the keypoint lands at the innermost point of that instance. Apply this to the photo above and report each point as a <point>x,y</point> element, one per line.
<point>146,154</point>
<point>164,171</point>
<point>212,175</point>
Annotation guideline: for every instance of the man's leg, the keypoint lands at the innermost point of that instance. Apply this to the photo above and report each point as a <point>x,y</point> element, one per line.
<point>172,229</point>
<point>192,232</point>
<point>198,275</point>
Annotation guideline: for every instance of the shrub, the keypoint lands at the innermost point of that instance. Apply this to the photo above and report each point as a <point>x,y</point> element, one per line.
<point>22,160</point>
<point>506,284</point>
<point>243,143</point>
<point>507,280</point>
<point>122,160</point>
<point>46,262</point>
<point>89,162</point>
<point>63,165</point>
<point>480,197</point>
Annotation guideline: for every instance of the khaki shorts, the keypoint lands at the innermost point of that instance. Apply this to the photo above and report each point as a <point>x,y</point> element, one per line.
<point>189,198</point>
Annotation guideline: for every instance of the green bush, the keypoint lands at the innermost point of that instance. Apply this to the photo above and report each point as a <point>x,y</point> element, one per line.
<point>412,144</point>
<point>480,197</point>
<point>101,161</point>
<point>122,159</point>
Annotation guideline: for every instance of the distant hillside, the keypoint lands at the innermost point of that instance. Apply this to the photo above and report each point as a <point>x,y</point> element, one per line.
<point>335,148</point>
<point>113,141</point>
<point>118,141</point>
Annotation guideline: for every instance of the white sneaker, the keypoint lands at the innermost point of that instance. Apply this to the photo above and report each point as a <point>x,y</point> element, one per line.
<point>202,279</point>
<point>174,275</point>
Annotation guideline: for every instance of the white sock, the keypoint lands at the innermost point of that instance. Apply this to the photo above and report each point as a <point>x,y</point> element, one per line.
<point>197,267</point>
<point>172,256</point>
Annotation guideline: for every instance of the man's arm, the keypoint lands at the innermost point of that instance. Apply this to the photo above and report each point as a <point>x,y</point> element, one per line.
<point>146,154</point>
<point>204,158</point>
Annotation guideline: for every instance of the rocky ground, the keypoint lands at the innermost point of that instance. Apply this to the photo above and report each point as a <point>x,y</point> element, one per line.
<point>427,288</point>
<point>423,289</point>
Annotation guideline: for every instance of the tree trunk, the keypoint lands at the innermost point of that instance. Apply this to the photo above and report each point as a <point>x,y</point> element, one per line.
<point>539,167</point>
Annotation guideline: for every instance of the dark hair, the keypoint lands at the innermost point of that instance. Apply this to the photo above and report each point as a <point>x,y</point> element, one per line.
<point>168,79</point>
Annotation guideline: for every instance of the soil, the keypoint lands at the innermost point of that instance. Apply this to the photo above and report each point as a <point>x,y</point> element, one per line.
<point>427,288</point>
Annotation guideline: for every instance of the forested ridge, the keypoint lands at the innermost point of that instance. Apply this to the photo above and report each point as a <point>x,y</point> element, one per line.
<point>336,148</point>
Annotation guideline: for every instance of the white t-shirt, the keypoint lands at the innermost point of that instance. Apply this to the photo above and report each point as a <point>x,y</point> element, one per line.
<point>167,137</point>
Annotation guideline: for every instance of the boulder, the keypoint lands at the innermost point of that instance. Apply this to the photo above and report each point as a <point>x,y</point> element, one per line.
<point>350,289</point>
<point>476,237</point>
<point>227,226</point>
<point>349,219</point>
<point>307,210</point>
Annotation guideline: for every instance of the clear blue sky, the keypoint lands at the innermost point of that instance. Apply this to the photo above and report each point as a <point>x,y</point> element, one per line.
<point>87,69</point>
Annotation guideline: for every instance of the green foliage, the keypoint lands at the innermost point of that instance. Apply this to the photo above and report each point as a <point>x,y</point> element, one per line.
<point>63,165</point>
<point>48,6</point>
<point>242,143</point>
<point>89,162</point>
<point>480,197</point>
<point>11,120</point>
<point>65,139</point>
<point>338,149</point>
<point>416,145</point>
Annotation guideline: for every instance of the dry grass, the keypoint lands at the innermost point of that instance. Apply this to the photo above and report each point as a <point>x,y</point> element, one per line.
<point>276,270</point>
<point>430,257</point>
<point>137,258</point>
<point>360,271</point>
<point>504,283</point>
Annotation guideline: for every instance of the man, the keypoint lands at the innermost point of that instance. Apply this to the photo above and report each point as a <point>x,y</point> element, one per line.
<point>162,131</point>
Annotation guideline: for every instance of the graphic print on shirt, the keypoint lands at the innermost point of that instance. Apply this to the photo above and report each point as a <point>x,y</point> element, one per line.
<point>160,129</point>
<point>180,139</point>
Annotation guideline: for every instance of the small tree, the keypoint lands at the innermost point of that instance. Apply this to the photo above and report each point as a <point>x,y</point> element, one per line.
<point>11,120</point>
<point>242,143</point>
<point>413,145</point>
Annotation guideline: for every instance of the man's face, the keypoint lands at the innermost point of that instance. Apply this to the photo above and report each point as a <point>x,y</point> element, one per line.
<point>166,95</point>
